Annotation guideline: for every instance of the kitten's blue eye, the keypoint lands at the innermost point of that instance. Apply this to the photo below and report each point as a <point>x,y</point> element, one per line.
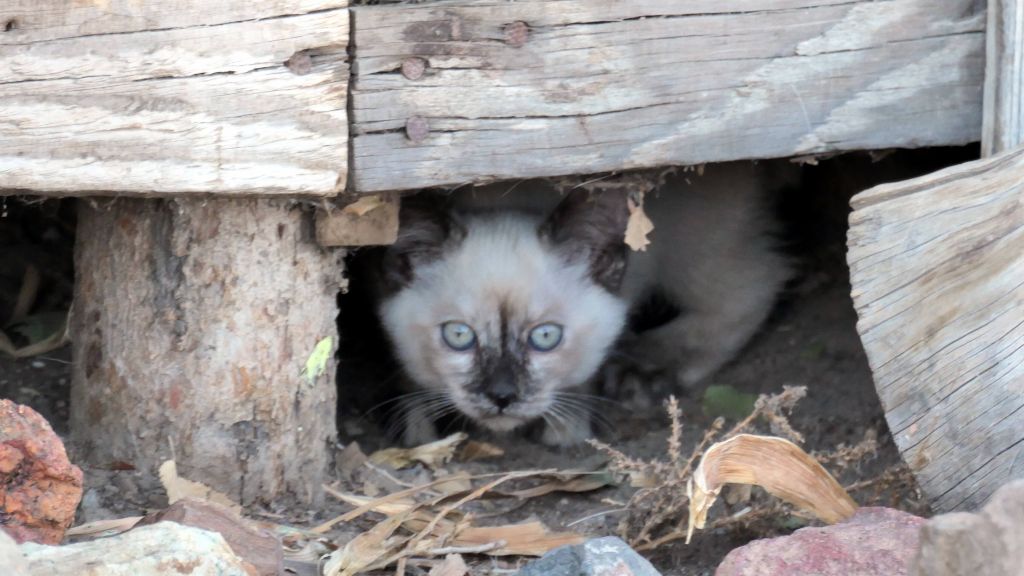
<point>458,336</point>
<point>546,337</point>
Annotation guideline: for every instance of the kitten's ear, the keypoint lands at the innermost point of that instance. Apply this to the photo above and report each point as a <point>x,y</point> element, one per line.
<point>592,227</point>
<point>425,225</point>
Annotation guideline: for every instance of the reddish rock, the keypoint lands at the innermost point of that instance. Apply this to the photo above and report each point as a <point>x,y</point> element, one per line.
<point>258,548</point>
<point>874,541</point>
<point>39,488</point>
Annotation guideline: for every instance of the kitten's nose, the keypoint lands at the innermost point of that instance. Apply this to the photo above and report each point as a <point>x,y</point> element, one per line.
<point>502,393</point>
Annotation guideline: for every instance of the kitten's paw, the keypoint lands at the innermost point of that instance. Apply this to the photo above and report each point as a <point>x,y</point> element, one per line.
<point>637,389</point>
<point>562,435</point>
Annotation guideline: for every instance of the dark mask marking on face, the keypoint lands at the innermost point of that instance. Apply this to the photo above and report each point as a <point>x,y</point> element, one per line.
<point>501,372</point>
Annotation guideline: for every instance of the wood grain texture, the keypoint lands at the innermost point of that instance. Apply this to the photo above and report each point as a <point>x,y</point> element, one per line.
<point>177,97</point>
<point>194,323</point>
<point>594,85</point>
<point>1003,126</point>
<point>937,269</point>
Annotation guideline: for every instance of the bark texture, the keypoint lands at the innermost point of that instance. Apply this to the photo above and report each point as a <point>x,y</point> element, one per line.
<point>198,323</point>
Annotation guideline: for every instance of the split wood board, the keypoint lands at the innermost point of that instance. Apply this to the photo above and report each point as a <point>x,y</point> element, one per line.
<point>175,97</point>
<point>470,90</point>
<point>937,271</point>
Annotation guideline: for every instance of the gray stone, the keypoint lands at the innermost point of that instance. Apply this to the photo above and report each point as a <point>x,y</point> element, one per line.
<point>989,543</point>
<point>607,556</point>
<point>160,549</point>
<point>11,559</point>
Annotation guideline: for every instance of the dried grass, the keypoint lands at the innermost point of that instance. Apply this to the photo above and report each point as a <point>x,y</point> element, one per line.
<point>658,511</point>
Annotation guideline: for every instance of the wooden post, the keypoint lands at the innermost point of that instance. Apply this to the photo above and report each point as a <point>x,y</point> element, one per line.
<point>1003,113</point>
<point>209,325</point>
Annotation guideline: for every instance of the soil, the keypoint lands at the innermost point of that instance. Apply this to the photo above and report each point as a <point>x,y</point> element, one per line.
<point>810,340</point>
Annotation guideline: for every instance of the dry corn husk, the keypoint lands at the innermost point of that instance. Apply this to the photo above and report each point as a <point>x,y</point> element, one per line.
<point>178,488</point>
<point>432,454</point>
<point>775,464</point>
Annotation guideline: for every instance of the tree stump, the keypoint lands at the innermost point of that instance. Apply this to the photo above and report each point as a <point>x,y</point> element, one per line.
<point>209,325</point>
<point>937,270</point>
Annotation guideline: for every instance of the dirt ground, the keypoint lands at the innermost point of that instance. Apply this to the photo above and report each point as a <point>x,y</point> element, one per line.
<point>810,341</point>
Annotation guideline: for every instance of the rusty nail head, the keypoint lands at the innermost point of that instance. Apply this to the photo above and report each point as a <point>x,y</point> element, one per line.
<point>416,128</point>
<point>413,68</point>
<point>516,33</point>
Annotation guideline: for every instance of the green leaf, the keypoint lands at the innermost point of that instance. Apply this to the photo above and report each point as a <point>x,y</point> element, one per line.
<point>316,364</point>
<point>726,401</point>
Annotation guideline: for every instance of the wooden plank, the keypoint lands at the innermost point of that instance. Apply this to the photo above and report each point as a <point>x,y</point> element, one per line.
<point>937,269</point>
<point>548,87</point>
<point>165,98</point>
<point>1003,126</point>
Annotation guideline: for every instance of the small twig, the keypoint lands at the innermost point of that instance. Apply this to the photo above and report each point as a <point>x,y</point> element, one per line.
<point>675,439</point>
<point>596,515</point>
<point>478,549</point>
<point>387,475</point>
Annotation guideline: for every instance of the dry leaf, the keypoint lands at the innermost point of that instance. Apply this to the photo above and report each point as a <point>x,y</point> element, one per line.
<point>474,450</point>
<point>178,488</point>
<point>638,226</point>
<point>453,484</point>
<point>433,454</point>
<point>436,527</point>
<point>363,205</point>
<point>453,565</point>
<point>526,539</point>
<point>584,483</point>
<point>366,551</point>
<point>103,528</point>
<point>775,464</point>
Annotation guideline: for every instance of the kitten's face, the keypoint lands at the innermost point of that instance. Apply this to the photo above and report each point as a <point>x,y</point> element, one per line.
<point>502,320</point>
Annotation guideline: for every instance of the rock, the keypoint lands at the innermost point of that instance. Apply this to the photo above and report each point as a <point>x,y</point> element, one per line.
<point>990,542</point>
<point>161,549</point>
<point>257,547</point>
<point>39,488</point>
<point>11,559</point>
<point>608,556</point>
<point>873,541</point>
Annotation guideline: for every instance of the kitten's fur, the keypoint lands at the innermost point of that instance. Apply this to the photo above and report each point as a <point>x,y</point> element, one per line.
<point>505,264</point>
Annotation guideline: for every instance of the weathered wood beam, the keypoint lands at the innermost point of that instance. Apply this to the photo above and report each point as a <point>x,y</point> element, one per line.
<point>467,90</point>
<point>170,98</point>
<point>937,269</point>
<point>1003,126</point>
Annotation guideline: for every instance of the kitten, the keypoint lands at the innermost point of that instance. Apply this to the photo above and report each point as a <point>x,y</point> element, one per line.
<point>501,314</point>
<point>505,307</point>
<point>714,256</point>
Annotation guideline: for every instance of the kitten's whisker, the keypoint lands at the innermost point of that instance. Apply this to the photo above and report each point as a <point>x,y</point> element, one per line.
<point>402,398</point>
<point>582,412</point>
<point>595,398</point>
